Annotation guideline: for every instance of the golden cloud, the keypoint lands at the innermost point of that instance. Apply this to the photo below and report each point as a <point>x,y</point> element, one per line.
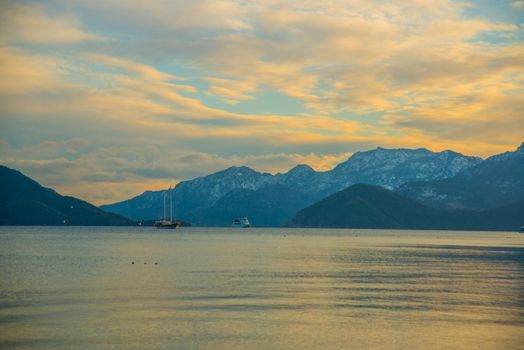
<point>31,24</point>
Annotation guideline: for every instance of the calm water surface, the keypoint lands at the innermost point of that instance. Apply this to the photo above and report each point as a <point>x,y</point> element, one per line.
<point>77,288</point>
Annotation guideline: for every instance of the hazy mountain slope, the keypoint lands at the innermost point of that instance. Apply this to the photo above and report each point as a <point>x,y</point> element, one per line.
<point>367,206</point>
<point>272,205</point>
<point>146,206</point>
<point>497,181</point>
<point>25,202</point>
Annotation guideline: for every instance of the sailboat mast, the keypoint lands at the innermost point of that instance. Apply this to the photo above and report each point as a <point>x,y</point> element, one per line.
<point>171,204</point>
<point>164,206</point>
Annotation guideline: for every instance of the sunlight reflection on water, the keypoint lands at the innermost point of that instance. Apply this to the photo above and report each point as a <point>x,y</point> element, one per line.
<point>260,289</point>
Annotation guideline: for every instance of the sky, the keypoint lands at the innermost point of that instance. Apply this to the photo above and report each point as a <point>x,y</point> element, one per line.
<point>106,99</point>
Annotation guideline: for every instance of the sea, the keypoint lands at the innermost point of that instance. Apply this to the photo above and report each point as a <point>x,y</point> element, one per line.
<point>259,288</point>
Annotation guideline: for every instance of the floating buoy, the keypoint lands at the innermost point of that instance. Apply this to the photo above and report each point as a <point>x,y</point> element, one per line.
<point>156,263</point>
<point>132,262</point>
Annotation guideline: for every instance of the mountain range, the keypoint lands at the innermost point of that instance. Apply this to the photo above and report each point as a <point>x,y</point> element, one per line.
<point>217,198</point>
<point>393,188</point>
<point>416,189</point>
<point>24,201</point>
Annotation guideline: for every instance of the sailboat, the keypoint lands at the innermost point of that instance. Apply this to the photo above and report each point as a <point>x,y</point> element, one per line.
<point>165,223</point>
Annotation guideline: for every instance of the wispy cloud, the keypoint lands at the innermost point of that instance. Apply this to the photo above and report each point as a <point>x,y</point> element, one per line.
<point>31,24</point>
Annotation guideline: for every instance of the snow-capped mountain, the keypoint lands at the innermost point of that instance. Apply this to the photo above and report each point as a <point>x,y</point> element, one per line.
<point>498,180</point>
<point>385,167</point>
<point>391,168</point>
<point>203,192</point>
<point>193,195</point>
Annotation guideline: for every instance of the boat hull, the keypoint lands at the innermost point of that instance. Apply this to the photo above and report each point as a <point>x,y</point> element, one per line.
<point>166,224</point>
<point>172,227</point>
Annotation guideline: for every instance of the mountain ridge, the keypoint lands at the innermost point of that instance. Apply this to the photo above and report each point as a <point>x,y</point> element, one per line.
<point>385,167</point>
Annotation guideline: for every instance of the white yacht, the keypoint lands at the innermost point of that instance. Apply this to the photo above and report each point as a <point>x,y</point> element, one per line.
<point>165,223</point>
<point>241,222</point>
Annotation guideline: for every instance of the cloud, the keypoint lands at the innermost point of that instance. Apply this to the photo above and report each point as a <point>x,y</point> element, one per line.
<point>23,71</point>
<point>109,112</point>
<point>518,4</point>
<point>143,71</point>
<point>335,57</point>
<point>54,149</point>
<point>231,90</point>
<point>31,24</point>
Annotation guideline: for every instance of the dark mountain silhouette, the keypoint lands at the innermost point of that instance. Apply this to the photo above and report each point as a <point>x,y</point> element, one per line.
<point>25,202</point>
<point>368,206</point>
